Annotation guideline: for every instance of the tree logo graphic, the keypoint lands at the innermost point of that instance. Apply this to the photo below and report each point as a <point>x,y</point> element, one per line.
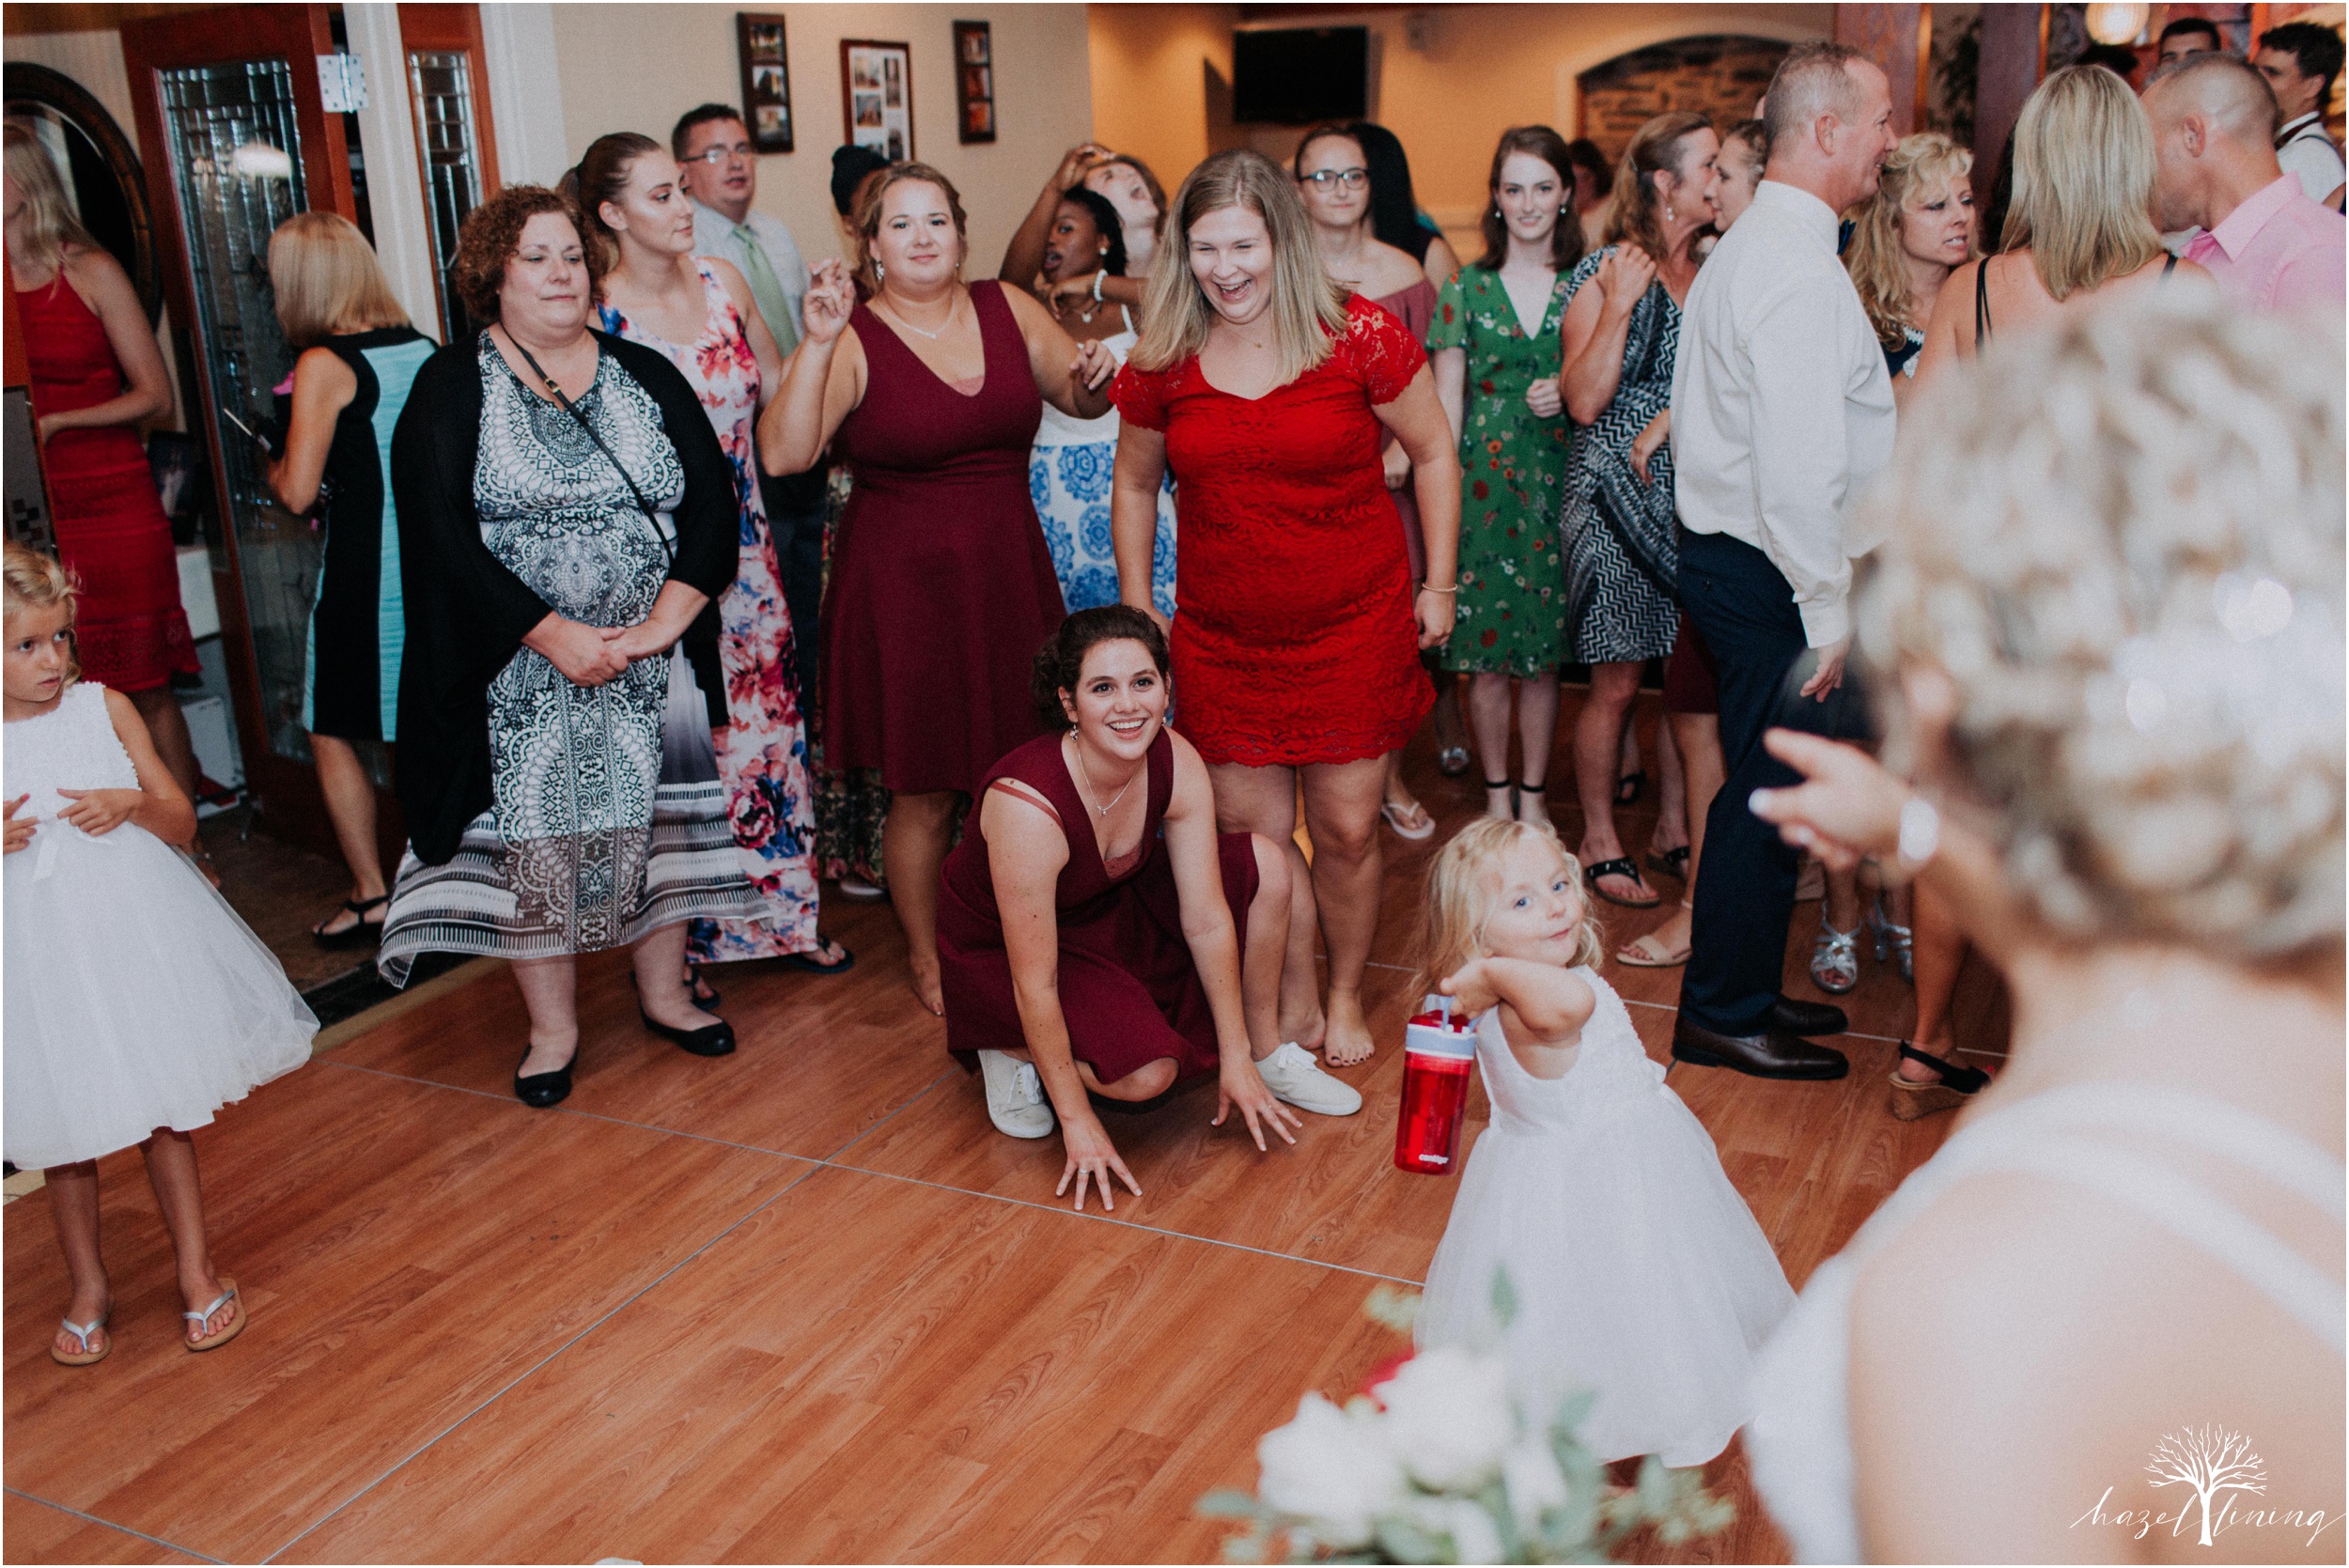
<point>2209,1460</point>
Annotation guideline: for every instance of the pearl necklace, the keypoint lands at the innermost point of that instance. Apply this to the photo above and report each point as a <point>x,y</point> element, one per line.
<point>953,307</point>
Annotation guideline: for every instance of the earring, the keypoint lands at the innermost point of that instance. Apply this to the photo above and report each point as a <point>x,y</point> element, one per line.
<point>880,272</point>
<point>1668,211</point>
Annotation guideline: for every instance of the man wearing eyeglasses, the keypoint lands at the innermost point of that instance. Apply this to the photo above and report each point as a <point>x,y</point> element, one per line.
<point>719,167</point>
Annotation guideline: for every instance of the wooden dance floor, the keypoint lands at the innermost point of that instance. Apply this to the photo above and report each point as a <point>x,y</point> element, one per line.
<point>799,1304</point>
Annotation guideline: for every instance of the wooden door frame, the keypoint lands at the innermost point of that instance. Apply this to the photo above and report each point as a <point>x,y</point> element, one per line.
<point>454,28</point>
<point>287,793</point>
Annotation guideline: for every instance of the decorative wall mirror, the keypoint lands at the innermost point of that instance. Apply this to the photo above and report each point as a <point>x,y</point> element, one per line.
<point>100,172</point>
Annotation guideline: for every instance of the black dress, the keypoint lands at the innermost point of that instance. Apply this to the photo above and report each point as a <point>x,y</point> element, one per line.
<point>350,688</point>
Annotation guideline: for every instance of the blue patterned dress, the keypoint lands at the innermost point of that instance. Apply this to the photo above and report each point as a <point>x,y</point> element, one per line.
<point>1069,478</point>
<point>1623,551</point>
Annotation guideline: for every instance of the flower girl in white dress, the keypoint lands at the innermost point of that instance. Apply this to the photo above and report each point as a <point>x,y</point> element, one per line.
<point>136,1003</point>
<point>1636,1269</point>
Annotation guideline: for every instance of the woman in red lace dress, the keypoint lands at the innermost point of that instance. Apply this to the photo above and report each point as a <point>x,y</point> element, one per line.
<point>97,374</point>
<point>1268,391</point>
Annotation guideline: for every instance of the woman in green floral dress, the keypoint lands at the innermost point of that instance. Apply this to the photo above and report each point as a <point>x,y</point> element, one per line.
<point>1499,383</point>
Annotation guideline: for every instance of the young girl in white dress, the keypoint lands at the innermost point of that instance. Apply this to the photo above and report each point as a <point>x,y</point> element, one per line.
<point>136,1003</point>
<point>1636,1269</point>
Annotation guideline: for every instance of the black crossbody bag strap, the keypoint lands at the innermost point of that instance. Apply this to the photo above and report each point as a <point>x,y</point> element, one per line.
<point>571,407</point>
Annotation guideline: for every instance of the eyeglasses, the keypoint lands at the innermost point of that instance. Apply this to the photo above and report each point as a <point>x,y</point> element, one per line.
<point>1353,179</point>
<point>716,155</point>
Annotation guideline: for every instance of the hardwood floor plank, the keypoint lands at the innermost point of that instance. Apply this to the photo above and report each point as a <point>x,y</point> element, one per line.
<point>405,1252</point>
<point>39,1532</point>
<point>928,1377</point>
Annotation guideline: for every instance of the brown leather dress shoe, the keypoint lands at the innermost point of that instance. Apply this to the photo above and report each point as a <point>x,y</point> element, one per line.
<point>1807,1017</point>
<point>1773,1054</point>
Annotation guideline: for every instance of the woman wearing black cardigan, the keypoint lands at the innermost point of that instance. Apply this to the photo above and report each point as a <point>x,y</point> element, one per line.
<point>565,516</point>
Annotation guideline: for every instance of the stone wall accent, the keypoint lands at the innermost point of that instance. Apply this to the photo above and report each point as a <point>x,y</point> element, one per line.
<point>1720,76</point>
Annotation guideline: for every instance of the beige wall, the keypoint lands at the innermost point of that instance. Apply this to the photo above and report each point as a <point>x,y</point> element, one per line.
<point>1446,79</point>
<point>637,68</point>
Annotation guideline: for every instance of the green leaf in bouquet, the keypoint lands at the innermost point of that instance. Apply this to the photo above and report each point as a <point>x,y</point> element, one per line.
<point>1402,1541</point>
<point>1504,1298</point>
<point>1231,1503</point>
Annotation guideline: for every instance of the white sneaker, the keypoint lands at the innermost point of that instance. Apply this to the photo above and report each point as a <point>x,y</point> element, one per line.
<point>1293,1075</point>
<point>1014,1096</point>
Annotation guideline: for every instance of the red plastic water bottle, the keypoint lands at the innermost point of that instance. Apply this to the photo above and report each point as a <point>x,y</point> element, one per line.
<point>1439,1050</point>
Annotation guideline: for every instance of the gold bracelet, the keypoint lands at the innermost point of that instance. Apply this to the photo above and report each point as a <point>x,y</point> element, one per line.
<point>1431,588</point>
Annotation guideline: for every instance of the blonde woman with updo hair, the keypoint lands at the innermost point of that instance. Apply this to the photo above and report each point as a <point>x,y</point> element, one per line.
<point>1268,391</point>
<point>359,355</point>
<point>2105,638</point>
<point>1906,239</point>
<point>2080,226</point>
<point>942,585</point>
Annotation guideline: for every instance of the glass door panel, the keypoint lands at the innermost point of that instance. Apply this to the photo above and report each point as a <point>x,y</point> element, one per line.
<point>440,80</point>
<point>234,142</point>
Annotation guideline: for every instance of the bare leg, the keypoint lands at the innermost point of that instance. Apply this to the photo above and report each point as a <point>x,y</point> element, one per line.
<point>1451,730</point>
<point>1628,762</point>
<point>913,848</point>
<point>549,989</point>
<point>1537,732</point>
<point>1672,817</point>
<point>1488,718</point>
<point>168,728</point>
<point>1939,950</point>
<point>1262,800</point>
<point>1146,1083</point>
<point>661,990</point>
<point>1406,803</point>
<point>1264,948</point>
<point>1598,733</point>
<point>1697,737</point>
<point>171,1170</point>
<point>1341,814</point>
<point>1842,909</point>
<point>74,1209</point>
<point>351,805</point>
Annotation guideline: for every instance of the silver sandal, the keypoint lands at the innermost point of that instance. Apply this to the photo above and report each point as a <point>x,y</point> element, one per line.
<point>1835,958</point>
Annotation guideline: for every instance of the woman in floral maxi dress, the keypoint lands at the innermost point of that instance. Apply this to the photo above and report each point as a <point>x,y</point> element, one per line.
<point>762,748</point>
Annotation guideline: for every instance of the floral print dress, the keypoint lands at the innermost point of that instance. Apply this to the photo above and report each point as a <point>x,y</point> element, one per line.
<point>762,751</point>
<point>1511,615</point>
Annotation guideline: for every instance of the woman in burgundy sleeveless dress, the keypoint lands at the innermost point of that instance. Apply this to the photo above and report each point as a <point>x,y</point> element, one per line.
<point>1093,874</point>
<point>941,587</point>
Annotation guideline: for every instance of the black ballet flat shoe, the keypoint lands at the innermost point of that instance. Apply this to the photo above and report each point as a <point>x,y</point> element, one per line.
<point>715,1039</point>
<point>541,1090</point>
<point>360,933</point>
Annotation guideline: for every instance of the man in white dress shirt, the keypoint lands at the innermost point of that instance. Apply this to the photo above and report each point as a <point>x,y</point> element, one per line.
<point>1782,414</point>
<point>2300,60</point>
<point>719,166</point>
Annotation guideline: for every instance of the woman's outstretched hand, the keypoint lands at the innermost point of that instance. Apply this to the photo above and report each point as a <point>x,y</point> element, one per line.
<point>1847,806</point>
<point>829,302</point>
<point>1241,1085</point>
<point>1091,1157</point>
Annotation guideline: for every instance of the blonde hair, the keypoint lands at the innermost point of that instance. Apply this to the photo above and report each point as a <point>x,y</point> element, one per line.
<point>1920,164</point>
<point>868,214</point>
<point>31,581</point>
<point>51,228</point>
<point>1632,211</point>
<point>327,280</point>
<point>2083,182</point>
<point>2121,541</point>
<point>1463,883</point>
<point>1307,310</point>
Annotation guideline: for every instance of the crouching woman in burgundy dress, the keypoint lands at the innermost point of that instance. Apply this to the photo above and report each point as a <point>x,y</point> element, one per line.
<point>1123,958</point>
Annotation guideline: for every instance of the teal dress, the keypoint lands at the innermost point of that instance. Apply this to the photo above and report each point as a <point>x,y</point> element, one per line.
<point>1511,618</point>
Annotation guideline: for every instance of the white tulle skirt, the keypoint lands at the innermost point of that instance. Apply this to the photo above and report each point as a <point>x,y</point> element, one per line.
<point>1637,1270</point>
<point>134,998</point>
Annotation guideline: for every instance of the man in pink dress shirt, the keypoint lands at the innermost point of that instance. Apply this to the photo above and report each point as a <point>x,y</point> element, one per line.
<point>2268,246</point>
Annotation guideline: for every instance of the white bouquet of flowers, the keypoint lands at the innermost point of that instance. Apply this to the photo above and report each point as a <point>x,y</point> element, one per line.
<point>1444,1457</point>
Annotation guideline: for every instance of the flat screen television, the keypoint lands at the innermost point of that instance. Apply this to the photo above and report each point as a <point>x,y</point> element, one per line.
<point>1298,75</point>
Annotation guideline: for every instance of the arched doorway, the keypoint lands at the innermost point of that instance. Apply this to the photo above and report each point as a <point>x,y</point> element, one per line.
<point>1719,75</point>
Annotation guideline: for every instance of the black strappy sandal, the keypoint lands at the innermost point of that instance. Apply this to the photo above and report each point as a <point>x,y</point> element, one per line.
<point>1671,862</point>
<point>1912,1099</point>
<point>357,934</point>
<point>814,965</point>
<point>1621,866</point>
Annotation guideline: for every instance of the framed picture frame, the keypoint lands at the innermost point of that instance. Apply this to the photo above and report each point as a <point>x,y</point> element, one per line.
<point>975,80</point>
<point>766,79</point>
<point>877,96</point>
